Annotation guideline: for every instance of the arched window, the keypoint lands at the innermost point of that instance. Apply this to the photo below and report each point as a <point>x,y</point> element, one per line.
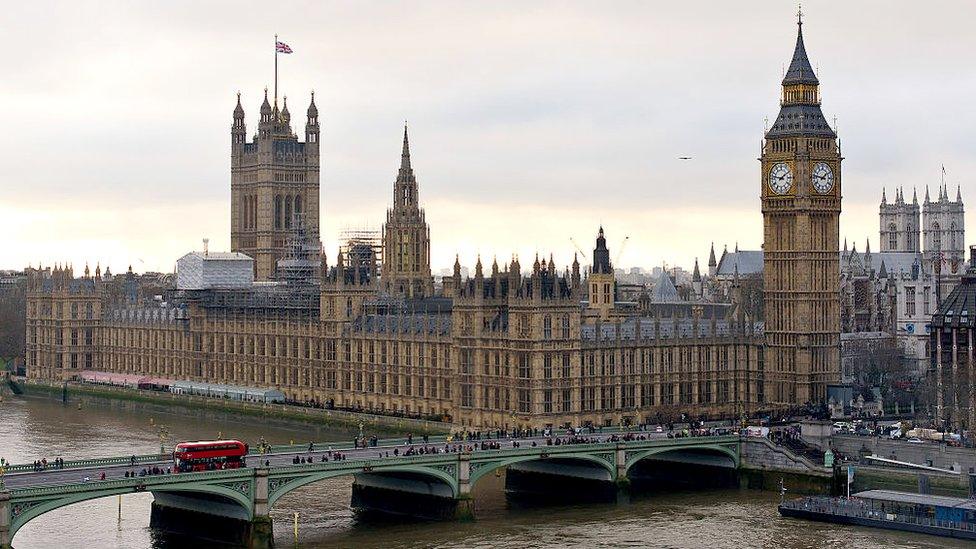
<point>547,327</point>
<point>936,236</point>
<point>892,237</point>
<point>287,212</point>
<point>277,212</point>
<point>952,236</point>
<point>298,205</point>
<point>348,307</point>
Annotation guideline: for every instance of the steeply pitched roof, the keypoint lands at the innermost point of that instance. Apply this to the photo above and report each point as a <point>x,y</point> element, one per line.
<point>800,71</point>
<point>800,120</point>
<point>750,262</point>
<point>664,290</point>
<point>959,308</point>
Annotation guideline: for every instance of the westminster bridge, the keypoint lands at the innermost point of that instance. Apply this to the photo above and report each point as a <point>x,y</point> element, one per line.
<point>245,496</point>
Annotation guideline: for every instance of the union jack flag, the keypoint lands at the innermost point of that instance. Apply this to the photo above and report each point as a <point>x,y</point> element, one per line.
<point>281,47</point>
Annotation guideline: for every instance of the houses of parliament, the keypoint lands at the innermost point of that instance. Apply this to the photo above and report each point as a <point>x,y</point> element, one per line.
<point>530,342</point>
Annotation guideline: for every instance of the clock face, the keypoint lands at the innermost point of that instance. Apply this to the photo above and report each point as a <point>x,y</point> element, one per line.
<point>823,178</point>
<point>780,178</point>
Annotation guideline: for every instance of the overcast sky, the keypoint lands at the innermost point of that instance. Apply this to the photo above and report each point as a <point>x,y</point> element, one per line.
<point>530,122</point>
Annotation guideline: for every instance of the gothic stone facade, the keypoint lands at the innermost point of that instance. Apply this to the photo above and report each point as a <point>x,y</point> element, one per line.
<point>505,350</point>
<point>274,184</point>
<point>801,203</point>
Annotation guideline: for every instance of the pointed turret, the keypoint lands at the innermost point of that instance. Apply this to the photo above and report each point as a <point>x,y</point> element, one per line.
<point>312,123</point>
<point>601,255</point>
<point>800,113</point>
<point>238,131</point>
<point>883,272</point>
<point>914,196</point>
<point>265,106</point>
<point>285,114</point>
<point>712,264</point>
<point>696,275</point>
<point>405,154</point>
<point>884,199</point>
<point>927,194</point>
<point>800,71</point>
<point>958,193</point>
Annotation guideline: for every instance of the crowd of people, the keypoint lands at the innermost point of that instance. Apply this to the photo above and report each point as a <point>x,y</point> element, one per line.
<point>462,441</point>
<point>42,464</point>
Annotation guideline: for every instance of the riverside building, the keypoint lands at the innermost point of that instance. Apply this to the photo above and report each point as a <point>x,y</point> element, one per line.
<point>510,346</point>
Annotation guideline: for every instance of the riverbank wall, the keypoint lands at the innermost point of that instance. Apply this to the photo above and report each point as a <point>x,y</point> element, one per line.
<point>767,466</point>
<point>154,400</point>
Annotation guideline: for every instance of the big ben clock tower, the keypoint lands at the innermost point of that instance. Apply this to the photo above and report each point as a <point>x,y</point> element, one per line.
<point>801,195</point>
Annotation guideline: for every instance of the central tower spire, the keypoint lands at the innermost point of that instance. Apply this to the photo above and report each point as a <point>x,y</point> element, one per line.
<point>406,236</point>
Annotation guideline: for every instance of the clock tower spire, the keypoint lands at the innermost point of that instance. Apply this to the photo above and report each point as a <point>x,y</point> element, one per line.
<point>801,204</point>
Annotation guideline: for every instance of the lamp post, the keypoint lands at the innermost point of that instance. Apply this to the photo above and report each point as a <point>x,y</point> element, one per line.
<point>163,432</point>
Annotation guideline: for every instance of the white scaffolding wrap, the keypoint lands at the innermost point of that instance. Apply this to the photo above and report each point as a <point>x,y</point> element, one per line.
<point>206,270</point>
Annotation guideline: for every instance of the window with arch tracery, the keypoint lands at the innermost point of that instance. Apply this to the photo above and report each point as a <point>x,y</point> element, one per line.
<point>952,236</point>
<point>892,237</point>
<point>936,236</point>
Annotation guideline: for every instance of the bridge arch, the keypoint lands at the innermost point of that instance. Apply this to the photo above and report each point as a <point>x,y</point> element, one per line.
<point>23,511</point>
<point>636,456</point>
<point>479,469</point>
<point>280,485</point>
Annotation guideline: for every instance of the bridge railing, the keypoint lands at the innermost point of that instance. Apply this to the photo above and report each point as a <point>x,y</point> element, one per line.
<point>438,439</point>
<point>146,482</point>
<point>88,463</point>
<point>365,461</point>
<point>288,448</point>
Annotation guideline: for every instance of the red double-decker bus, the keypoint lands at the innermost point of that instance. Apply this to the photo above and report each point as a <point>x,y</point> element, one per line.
<point>209,455</point>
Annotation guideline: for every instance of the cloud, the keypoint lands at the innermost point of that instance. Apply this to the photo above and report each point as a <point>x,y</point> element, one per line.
<point>538,121</point>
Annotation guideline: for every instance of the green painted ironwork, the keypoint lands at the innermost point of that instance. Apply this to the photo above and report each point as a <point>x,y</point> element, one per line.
<point>239,485</point>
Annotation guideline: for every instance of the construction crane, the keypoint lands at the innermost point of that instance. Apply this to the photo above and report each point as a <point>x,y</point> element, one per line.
<point>620,249</point>
<point>577,246</point>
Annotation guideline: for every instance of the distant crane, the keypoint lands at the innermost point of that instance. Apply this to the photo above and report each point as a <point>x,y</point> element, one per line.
<point>577,246</point>
<point>620,249</point>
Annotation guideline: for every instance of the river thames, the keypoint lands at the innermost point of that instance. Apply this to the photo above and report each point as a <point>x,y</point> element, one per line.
<point>32,428</point>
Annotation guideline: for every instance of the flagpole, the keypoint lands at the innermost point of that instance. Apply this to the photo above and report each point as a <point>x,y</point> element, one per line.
<point>276,72</point>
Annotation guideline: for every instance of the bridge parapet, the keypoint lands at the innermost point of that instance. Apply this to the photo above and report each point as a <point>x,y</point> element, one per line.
<point>90,463</point>
<point>25,504</point>
<point>257,489</point>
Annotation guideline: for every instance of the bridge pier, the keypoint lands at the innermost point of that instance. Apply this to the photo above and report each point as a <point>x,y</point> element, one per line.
<point>464,511</point>
<point>261,535</point>
<point>5,514</point>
